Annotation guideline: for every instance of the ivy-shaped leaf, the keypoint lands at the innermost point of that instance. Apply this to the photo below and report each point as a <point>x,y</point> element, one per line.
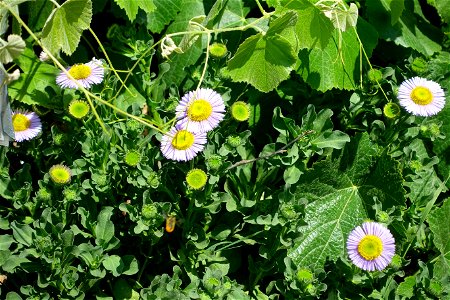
<point>131,7</point>
<point>340,193</point>
<point>12,49</point>
<point>64,26</point>
<point>265,60</point>
<point>334,209</point>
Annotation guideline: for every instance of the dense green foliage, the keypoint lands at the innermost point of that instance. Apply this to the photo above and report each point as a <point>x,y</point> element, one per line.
<point>317,157</point>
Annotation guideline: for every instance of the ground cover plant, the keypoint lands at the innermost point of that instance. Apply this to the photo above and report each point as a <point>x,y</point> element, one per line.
<point>230,149</point>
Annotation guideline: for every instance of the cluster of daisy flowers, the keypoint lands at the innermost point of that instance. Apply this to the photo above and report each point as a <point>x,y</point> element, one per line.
<point>197,113</point>
<point>27,125</point>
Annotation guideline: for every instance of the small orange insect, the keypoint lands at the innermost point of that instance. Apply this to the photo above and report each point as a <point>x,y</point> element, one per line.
<point>170,223</point>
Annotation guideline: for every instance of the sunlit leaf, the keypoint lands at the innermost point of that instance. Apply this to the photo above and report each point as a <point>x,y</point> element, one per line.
<point>64,26</point>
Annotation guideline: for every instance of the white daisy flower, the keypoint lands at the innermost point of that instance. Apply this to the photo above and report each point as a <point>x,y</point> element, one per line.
<point>26,125</point>
<point>85,74</point>
<point>421,97</point>
<point>200,110</point>
<point>371,246</point>
<point>182,145</point>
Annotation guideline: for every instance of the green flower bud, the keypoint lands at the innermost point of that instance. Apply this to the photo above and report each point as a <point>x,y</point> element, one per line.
<point>419,65</point>
<point>218,50</point>
<point>234,141</point>
<point>391,110</point>
<point>214,162</point>
<point>374,75</point>
<point>132,158</point>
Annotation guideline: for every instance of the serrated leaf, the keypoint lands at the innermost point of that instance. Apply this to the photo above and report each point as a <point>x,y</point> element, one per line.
<point>411,30</point>
<point>131,7</point>
<point>314,28</point>
<point>440,226</point>
<point>64,26</point>
<point>343,19</point>
<point>406,288</point>
<point>334,209</point>
<point>165,11</point>
<point>337,65</point>
<point>443,9</point>
<point>36,84</point>
<point>262,62</point>
<point>12,49</point>
<point>339,194</point>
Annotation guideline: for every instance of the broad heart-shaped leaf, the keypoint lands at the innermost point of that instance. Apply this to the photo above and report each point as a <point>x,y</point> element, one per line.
<point>439,221</point>
<point>340,194</point>
<point>64,26</point>
<point>166,11</point>
<point>12,49</point>
<point>334,209</point>
<point>337,65</point>
<point>262,61</point>
<point>36,84</point>
<point>313,29</point>
<point>411,30</point>
<point>131,7</point>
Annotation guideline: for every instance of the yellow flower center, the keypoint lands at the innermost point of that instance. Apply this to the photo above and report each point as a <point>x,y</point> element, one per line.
<point>421,95</point>
<point>80,71</point>
<point>199,110</point>
<point>370,247</point>
<point>183,140</point>
<point>20,122</point>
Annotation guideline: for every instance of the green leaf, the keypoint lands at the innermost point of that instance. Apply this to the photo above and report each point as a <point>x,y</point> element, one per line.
<point>411,30</point>
<point>440,226</point>
<point>165,11</point>
<point>314,30</point>
<point>13,296</point>
<point>443,9</point>
<point>5,241</point>
<point>266,60</point>
<point>22,233</point>
<point>64,26</point>
<point>104,230</point>
<point>337,65</point>
<point>12,49</point>
<point>179,63</point>
<point>130,265</point>
<point>334,208</point>
<point>256,62</point>
<point>38,11</point>
<point>131,7</point>
<point>129,97</point>
<point>291,175</point>
<point>37,85</point>
<point>406,288</point>
<point>112,263</point>
<point>340,193</point>
<point>123,291</point>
